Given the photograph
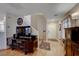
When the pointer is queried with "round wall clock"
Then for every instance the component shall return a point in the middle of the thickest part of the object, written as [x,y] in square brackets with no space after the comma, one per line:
[19,21]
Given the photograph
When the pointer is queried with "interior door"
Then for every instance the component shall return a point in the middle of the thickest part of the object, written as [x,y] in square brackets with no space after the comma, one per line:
[51,31]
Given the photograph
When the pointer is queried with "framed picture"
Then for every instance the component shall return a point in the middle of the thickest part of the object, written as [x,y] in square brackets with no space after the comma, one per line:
[19,21]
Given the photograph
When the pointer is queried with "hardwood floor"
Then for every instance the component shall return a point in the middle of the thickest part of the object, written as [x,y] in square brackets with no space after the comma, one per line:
[57,49]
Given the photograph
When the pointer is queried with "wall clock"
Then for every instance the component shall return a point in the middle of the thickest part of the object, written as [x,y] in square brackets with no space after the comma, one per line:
[19,21]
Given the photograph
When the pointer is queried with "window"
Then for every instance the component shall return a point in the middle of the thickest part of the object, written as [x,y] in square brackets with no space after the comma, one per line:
[67,23]
[1,27]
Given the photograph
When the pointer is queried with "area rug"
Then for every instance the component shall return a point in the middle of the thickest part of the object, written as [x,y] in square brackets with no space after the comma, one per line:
[44,45]
[53,40]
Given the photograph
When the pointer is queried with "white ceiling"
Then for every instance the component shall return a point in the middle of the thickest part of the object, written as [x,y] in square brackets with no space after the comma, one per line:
[50,10]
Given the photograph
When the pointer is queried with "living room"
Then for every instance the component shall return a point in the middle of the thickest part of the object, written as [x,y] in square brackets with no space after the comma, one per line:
[39,27]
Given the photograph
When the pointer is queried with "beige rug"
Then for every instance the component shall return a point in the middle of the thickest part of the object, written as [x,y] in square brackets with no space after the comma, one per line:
[44,45]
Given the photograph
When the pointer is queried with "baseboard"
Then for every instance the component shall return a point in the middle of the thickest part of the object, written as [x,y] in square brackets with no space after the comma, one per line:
[4,49]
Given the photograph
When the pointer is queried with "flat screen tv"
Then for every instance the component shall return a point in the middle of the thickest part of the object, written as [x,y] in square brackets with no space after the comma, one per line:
[75,35]
[23,30]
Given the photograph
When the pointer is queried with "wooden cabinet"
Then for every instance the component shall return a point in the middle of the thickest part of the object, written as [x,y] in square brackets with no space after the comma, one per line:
[68,48]
[72,49]
[68,42]
[75,49]
[72,44]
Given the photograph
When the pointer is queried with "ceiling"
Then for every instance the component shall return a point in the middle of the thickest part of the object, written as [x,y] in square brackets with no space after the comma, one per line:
[50,10]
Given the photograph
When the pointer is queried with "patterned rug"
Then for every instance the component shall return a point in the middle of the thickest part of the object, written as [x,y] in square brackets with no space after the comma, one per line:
[44,45]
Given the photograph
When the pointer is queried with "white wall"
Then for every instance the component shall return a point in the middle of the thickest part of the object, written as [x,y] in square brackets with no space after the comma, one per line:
[3,33]
[27,20]
[77,22]
[10,25]
[52,30]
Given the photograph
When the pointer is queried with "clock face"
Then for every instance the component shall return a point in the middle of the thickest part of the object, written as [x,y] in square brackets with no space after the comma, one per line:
[19,21]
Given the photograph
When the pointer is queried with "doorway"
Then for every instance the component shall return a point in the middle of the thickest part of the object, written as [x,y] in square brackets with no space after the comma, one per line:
[52,31]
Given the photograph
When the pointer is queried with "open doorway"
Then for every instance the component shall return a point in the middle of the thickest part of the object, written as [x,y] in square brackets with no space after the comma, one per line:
[52,31]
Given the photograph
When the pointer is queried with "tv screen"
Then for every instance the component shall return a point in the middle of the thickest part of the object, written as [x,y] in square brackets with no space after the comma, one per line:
[27,31]
[23,31]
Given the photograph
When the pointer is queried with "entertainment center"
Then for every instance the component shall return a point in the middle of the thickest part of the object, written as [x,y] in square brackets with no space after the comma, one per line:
[24,40]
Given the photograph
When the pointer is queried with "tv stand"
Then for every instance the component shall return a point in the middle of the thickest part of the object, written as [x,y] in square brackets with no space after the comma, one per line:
[26,44]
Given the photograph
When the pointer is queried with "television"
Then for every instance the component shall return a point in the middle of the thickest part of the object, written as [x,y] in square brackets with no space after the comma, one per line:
[75,35]
[23,30]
